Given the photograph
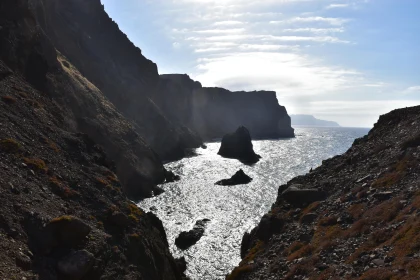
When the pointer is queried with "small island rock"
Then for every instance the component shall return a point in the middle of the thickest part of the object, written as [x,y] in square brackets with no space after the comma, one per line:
[188,238]
[240,178]
[238,145]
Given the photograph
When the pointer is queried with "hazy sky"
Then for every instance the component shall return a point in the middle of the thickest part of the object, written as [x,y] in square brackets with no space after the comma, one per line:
[347,61]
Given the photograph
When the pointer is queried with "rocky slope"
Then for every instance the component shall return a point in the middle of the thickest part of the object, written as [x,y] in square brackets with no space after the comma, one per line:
[213,112]
[27,50]
[61,202]
[83,32]
[64,213]
[354,217]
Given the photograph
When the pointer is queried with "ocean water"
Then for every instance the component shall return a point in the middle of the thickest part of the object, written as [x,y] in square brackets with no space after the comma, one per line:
[234,210]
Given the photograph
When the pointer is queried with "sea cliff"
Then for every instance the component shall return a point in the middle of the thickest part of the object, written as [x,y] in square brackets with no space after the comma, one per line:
[214,112]
[353,217]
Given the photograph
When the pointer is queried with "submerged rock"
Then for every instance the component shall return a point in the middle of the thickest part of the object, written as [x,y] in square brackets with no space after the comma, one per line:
[239,178]
[188,238]
[238,145]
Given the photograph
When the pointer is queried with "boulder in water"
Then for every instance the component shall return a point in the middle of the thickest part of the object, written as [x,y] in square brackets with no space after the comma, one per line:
[238,145]
[240,178]
[188,238]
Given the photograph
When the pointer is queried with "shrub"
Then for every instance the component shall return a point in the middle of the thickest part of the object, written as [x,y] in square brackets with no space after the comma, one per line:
[378,274]
[8,99]
[61,190]
[303,251]
[36,164]
[62,219]
[9,145]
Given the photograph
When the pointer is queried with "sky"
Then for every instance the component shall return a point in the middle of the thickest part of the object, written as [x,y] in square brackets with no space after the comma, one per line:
[347,61]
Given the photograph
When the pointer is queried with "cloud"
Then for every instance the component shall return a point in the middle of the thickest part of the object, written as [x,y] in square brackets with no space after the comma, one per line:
[412,90]
[319,19]
[314,30]
[336,6]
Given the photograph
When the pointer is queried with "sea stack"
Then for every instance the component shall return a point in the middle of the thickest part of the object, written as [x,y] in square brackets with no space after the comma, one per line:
[238,145]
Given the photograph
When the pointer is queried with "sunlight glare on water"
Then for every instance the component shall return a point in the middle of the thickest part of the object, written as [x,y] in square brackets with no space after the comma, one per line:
[233,210]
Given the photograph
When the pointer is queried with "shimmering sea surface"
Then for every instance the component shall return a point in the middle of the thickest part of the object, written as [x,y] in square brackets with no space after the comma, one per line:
[233,210]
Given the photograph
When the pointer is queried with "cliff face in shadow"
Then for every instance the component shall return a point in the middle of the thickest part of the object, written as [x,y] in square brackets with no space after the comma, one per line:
[27,50]
[83,32]
[63,210]
[213,112]
[354,217]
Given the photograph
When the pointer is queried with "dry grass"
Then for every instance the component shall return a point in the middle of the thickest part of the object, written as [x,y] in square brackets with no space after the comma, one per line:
[61,189]
[36,164]
[9,145]
[245,266]
[396,174]
[8,99]
[62,219]
[378,274]
[51,144]
[303,251]
[311,208]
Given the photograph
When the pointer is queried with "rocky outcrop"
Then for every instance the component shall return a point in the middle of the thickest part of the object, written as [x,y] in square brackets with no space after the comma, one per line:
[354,217]
[60,191]
[26,49]
[238,145]
[298,195]
[213,112]
[187,239]
[83,32]
[239,178]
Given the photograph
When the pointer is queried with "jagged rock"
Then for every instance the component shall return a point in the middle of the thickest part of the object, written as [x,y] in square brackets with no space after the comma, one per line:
[181,263]
[67,231]
[383,195]
[188,238]
[76,265]
[158,191]
[23,261]
[119,219]
[309,218]
[238,145]
[297,195]
[239,178]
[171,177]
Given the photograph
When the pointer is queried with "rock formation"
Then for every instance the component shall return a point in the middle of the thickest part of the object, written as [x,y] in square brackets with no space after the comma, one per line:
[213,112]
[240,178]
[64,212]
[354,217]
[83,32]
[238,145]
[187,239]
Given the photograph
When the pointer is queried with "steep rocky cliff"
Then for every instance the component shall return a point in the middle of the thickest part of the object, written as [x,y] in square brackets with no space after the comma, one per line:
[354,217]
[83,32]
[63,211]
[213,112]
[26,49]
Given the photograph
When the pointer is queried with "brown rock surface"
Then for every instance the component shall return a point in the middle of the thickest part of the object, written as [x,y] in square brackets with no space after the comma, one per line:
[367,226]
